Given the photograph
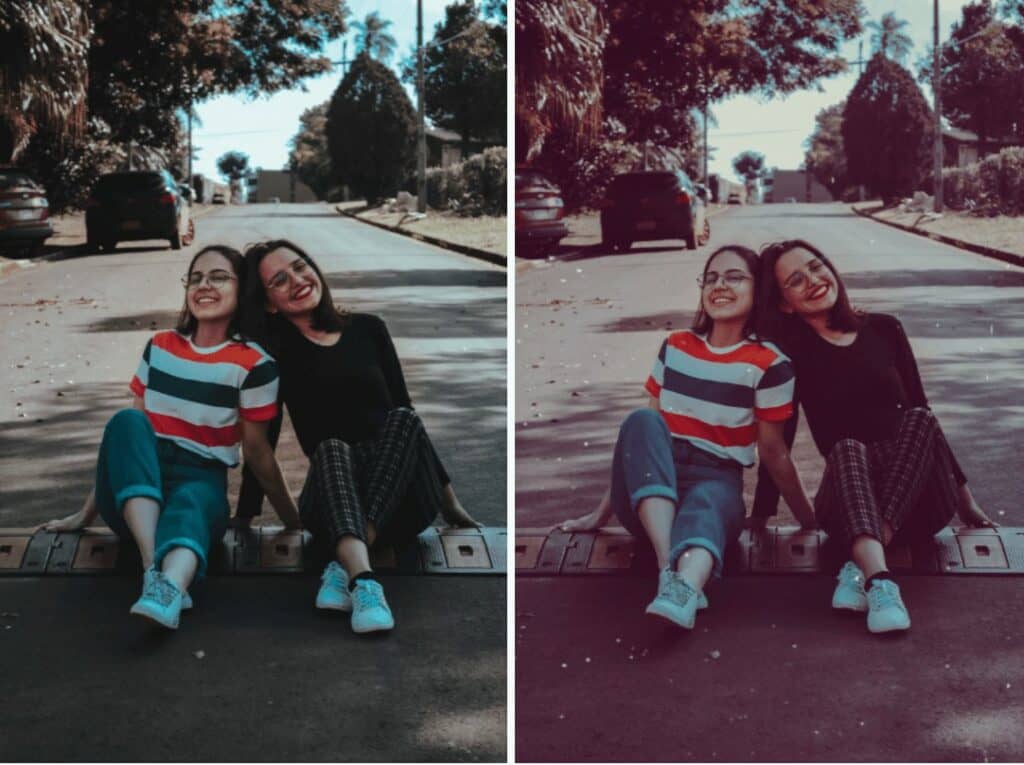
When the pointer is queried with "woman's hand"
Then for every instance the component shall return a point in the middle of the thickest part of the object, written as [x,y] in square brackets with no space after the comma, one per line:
[72,522]
[454,514]
[589,522]
[975,517]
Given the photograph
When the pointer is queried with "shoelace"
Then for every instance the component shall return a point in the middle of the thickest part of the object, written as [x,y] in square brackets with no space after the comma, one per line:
[334,576]
[366,595]
[884,595]
[678,590]
[851,575]
[161,590]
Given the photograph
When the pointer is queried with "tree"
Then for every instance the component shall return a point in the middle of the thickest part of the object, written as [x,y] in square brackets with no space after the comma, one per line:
[888,37]
[309,157]
[826,157]
[43,71]
[982,79]
[374,39]
[749,165]
[370,126]
[465,78]
[233,165]
[886,130]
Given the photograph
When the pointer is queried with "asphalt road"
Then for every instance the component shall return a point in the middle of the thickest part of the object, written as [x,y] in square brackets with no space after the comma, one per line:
[277,681]
[588,326]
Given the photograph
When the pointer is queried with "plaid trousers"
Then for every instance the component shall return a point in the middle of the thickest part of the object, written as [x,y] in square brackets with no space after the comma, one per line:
[907,481]
[390,481]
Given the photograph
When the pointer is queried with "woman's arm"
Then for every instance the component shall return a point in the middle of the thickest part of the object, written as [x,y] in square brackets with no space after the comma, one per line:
[260,457]
[250,497]
[774,455]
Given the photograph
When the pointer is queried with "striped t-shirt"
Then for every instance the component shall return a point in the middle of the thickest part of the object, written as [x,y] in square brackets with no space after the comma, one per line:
[712,397]
[195,396]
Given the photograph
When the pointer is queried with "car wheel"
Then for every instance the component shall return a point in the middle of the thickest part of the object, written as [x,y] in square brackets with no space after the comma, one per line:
[691,240]
[109,245]
[190,235]
[34,250]
[176,241]
[705,234]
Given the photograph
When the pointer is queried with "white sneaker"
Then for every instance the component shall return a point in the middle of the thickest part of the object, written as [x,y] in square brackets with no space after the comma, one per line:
[886,612]
[334,594]
[371,612]
[849,594]
[676,600]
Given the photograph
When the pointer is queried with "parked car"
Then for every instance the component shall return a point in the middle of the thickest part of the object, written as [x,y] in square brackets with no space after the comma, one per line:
[218,199]
[649,205]
[539,213]
[130,206]
[24,213]
[734,198]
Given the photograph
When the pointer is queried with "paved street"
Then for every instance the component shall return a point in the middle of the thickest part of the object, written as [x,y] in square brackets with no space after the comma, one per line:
[790,681]
[276,681]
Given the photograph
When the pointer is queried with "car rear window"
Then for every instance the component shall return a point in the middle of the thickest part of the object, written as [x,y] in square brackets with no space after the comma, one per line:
[534,180]
[133,183]
[15,180]
[642,183]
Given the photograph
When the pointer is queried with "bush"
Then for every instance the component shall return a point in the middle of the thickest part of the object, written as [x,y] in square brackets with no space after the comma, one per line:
[993,186]
[474,187]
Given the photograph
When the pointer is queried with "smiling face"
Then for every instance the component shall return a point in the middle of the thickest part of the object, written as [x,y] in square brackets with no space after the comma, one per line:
[290,284]
[731,296]
[806,283]
[215,297]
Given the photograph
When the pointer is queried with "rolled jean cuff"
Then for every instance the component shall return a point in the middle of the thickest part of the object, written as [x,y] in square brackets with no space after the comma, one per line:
[137,490]
[652,490]
[680,547]
[188,544]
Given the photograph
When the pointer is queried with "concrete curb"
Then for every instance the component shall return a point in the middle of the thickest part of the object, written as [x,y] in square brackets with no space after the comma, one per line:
[988,252]
[473,252]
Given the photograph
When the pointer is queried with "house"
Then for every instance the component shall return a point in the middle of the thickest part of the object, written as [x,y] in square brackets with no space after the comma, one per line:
[794,185]
[283,185]
[960,148]
[444,147]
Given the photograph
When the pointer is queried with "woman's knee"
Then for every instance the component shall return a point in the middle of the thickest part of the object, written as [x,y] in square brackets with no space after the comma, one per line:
[644,422]
[128,420]
[844,447]
[330,446]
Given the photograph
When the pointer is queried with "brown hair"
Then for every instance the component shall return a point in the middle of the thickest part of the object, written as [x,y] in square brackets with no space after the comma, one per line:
[187,323]
[702,323]
[842,316]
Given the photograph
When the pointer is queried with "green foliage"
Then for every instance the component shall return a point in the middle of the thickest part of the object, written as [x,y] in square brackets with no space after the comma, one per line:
[370,126]
[309,157]
[826,157]
[233,165]
[749,165]
[373,38]
[477,186]
[889,39]
[886,130]
[993,186]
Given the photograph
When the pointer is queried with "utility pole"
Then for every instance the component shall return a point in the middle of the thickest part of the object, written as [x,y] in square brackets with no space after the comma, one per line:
[421,118]
[936,88]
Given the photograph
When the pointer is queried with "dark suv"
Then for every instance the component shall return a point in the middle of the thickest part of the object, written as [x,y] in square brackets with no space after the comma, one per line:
[24,213]
[146,204]
[644,206]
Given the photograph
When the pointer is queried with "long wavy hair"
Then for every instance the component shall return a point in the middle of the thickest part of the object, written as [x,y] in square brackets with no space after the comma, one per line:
[774,323]
[702,322]
[265,327]
[187,323]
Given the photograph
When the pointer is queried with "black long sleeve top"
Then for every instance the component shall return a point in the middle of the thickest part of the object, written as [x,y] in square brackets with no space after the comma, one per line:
[857,391]
[340,391]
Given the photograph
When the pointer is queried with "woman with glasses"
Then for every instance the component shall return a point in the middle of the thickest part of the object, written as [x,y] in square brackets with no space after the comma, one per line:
[715,393]
[374,475]
[889,473]
[200,392]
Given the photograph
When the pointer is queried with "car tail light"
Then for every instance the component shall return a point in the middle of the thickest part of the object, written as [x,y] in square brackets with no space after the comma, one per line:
[166,199]
[682,198]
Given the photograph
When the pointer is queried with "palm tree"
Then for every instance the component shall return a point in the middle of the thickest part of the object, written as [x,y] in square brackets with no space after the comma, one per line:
[889,39]
[44,70]
[374,39]
[559,78]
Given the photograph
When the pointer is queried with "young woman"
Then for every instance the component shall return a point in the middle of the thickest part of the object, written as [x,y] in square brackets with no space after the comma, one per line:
[889,472]
[373,472]
[161,476]
[715,392]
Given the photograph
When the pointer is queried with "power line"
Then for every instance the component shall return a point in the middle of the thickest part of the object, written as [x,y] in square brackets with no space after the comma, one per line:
[755,132]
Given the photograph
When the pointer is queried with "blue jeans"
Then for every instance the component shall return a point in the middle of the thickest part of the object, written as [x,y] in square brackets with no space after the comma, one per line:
[707,490]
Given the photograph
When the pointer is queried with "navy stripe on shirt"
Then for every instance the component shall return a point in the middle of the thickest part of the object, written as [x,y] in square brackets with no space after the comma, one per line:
[726,394]
[206,393]
[777,374]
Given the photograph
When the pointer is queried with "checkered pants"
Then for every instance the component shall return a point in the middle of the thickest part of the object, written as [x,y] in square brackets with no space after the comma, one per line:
[390,481]
[907,481]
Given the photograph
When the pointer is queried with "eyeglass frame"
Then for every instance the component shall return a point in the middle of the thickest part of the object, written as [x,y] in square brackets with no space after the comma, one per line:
[223,277]
[738,277]
[289,272]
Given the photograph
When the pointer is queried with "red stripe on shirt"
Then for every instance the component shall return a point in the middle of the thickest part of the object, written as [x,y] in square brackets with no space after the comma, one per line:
[775,413]
[235,353]
[259,413]
[689,343]
[680,425]
[652,387]
[136,386]
[201,434]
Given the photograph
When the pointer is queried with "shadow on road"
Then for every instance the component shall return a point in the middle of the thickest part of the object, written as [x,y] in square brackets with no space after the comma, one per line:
[418,277]
[948,277]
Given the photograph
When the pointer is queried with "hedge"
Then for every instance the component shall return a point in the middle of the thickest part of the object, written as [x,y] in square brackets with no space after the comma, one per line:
[476,186]
[993,186]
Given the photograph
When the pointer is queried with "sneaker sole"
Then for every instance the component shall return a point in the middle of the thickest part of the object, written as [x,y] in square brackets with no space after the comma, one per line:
[894,628]
[374,628]
[345,608]
[154,618]
[665,616]
[857,609]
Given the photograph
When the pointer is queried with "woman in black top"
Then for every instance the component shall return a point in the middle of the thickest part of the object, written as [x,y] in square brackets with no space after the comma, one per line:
[374,474]
[889,472]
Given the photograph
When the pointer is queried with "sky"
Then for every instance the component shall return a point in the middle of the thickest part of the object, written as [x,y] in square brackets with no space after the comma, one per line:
[263,127]
[783,124]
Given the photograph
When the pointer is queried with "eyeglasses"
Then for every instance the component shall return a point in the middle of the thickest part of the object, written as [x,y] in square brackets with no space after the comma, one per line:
[798,280]
[217,279]
[280,281]
[729,279]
